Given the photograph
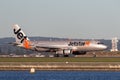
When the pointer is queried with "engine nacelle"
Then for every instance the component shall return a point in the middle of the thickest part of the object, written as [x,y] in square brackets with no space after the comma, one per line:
[65,51]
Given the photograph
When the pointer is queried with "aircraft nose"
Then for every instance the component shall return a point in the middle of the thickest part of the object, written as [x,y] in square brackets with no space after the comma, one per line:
[103,47]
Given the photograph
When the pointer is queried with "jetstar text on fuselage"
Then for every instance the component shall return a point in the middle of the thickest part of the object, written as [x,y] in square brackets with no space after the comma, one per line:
[76,43]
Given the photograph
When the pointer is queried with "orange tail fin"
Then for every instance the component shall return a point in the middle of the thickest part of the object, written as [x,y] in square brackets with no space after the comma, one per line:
[26,44]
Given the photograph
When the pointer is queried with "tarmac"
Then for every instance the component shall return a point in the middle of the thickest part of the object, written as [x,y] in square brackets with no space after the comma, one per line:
[83,66]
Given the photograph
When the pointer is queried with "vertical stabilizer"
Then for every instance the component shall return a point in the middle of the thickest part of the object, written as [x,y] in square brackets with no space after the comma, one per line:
[20,36]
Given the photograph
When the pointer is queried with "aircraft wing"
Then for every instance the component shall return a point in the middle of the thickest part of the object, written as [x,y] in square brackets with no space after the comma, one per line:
[47,49]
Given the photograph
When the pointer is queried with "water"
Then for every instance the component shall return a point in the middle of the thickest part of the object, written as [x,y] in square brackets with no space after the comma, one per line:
[59,75]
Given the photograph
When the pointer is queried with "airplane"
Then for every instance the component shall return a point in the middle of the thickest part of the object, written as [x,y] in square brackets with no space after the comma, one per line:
[59,47]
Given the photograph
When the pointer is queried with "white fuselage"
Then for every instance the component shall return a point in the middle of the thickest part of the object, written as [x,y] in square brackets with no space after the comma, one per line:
[76,45]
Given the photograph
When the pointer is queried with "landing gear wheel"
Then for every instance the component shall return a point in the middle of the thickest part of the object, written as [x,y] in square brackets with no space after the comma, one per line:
[56,55]
[66,56]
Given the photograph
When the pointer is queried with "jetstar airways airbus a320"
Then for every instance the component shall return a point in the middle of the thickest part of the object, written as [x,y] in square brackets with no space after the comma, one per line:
[59,47]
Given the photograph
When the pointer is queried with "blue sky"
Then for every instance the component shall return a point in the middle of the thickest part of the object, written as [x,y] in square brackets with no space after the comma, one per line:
[82,19]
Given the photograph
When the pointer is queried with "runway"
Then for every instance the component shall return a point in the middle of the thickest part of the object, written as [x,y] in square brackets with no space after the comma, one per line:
[84,66]
[61,63]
